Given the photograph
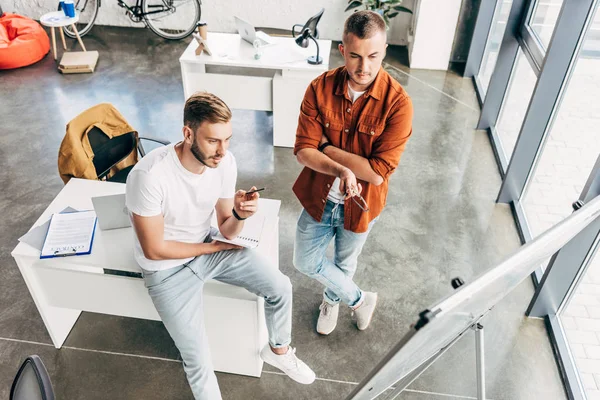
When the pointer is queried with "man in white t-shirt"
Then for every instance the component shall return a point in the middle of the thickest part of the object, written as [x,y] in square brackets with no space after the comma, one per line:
[172,194]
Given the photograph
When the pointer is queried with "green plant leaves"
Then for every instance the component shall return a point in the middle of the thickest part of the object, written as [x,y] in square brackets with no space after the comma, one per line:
[403,9]
[353,4]
[388,9]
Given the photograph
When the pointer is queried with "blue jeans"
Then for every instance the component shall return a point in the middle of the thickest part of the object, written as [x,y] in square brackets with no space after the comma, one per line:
[177,296]
[312,240]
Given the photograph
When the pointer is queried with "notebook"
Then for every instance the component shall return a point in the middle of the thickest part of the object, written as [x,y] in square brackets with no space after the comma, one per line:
[249,236]
[69,234]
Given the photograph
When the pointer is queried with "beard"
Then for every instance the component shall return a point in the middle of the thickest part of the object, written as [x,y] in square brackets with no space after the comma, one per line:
[200,156]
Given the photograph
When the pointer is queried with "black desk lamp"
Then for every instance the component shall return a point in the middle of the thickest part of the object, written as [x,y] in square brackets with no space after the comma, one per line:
[310,31]
[302,41]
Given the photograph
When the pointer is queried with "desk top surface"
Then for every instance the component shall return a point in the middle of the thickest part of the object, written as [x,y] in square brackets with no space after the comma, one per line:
[112,249]
[229,49]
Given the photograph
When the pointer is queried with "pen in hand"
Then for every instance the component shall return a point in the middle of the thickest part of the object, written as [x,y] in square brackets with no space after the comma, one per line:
[255,190]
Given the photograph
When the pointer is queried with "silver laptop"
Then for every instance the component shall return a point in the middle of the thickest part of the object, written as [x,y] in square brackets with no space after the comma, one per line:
[249,34]
[111,211]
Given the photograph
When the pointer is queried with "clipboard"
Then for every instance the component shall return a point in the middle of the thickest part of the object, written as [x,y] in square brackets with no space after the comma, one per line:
[69,234]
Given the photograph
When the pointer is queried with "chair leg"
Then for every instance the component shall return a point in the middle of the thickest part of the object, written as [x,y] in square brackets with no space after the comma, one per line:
[53,42]
[78,37]
[62,36]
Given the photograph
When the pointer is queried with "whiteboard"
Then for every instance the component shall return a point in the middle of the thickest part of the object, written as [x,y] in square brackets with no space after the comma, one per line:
[443,323]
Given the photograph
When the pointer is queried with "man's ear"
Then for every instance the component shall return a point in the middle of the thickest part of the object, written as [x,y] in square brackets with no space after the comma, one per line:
[188,135]
[341,49]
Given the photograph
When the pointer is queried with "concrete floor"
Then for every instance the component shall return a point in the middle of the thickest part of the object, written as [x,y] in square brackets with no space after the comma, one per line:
[441,221]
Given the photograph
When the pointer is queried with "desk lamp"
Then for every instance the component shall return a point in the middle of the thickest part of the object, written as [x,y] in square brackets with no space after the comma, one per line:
[302,41]
[309,30]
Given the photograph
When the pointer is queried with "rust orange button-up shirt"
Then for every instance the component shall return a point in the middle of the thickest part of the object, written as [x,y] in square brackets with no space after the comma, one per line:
[376,126]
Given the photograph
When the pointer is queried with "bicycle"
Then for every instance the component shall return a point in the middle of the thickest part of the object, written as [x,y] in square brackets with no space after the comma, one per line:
[169,19]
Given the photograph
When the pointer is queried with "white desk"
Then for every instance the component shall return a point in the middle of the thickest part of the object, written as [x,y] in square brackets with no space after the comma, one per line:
[64,287]
[275,82]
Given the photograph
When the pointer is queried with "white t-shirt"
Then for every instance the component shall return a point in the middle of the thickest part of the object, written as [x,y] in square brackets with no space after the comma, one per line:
[334,193]
[159,184]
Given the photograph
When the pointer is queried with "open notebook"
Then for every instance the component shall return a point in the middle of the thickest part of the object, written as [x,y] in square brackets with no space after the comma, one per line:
[249,236]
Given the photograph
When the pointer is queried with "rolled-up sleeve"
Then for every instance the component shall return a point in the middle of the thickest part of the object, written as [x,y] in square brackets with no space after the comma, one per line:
[389,146]
[309,132]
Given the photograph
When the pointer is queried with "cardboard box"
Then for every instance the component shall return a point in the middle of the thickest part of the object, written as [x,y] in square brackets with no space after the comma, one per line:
[78,62]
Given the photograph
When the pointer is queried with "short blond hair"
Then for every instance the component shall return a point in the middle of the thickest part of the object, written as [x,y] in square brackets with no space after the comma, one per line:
[364,24]
[204,106]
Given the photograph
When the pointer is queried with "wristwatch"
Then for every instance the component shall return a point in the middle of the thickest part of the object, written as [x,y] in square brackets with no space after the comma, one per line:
[236,215]
[323,146]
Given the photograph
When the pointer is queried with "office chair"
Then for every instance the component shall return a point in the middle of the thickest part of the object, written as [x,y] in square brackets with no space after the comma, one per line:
[32,381]
[311,24]
[108,152]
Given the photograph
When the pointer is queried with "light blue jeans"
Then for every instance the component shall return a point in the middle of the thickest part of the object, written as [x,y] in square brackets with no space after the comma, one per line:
[177,296]
[312,240]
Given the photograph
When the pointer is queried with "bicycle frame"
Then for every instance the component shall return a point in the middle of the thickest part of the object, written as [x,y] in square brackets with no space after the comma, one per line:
[140,12]
[136,9]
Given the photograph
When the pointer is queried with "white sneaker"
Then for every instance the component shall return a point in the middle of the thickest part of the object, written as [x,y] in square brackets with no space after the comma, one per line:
[364,312]
[327,318]
[289,364]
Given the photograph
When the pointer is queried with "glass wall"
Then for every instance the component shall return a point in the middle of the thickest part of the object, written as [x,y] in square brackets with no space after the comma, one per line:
[515,104]
[570,148]
[542,113]
[543,19]
[493,42]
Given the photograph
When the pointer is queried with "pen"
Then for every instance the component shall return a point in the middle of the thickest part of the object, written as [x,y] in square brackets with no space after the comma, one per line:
[255,190]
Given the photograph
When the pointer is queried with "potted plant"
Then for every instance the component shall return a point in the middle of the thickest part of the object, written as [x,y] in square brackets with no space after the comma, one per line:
[388,9]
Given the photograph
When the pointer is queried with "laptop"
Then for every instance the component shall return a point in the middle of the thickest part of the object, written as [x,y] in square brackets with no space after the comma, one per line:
[111,211]
[249,34]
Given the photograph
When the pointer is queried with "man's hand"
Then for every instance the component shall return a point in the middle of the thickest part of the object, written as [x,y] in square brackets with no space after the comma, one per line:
[216,246]
[348,184]
[246,205]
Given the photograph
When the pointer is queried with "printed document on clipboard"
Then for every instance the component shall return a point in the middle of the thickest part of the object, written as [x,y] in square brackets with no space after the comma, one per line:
[249,236]
[70,234]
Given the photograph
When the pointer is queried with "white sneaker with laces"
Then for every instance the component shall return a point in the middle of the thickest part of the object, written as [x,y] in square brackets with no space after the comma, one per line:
[364,312]
[327,318]
[289,364]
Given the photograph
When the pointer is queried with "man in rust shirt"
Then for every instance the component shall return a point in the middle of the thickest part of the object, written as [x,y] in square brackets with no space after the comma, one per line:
[354,124]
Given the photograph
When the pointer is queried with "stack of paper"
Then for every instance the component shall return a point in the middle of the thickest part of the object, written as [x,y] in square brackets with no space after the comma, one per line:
[77,62]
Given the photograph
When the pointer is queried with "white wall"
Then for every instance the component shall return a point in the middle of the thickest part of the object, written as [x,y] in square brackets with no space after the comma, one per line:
[219,14]
[434,31]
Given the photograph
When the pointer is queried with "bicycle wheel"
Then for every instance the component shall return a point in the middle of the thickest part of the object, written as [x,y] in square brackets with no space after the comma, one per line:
[87,10]
[171,19]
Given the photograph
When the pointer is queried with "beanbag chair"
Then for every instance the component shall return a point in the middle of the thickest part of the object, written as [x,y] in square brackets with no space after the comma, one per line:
[22,41]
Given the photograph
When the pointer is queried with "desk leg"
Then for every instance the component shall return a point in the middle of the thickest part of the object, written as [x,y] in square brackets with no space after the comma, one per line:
[188,82]
[288,93]
[62,36]
[78,37]
[53,42]
[58,321]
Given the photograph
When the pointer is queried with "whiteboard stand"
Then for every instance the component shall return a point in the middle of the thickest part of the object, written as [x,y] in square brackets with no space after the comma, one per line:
[408,379]
[479,355]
